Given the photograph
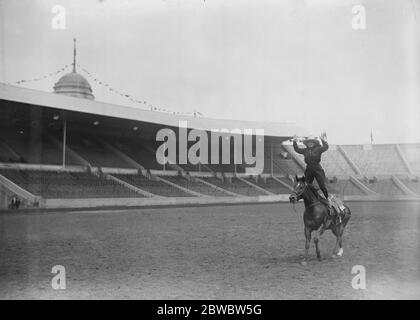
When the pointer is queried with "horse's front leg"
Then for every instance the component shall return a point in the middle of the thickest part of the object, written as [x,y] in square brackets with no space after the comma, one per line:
[336,247]
[318,252]
[308,232]
[340,243]
[338,250]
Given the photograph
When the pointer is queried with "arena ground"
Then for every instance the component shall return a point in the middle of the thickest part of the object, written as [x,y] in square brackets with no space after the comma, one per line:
[234,252]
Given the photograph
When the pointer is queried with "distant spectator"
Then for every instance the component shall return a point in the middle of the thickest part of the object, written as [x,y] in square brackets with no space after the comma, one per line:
[14,203]
[333,180]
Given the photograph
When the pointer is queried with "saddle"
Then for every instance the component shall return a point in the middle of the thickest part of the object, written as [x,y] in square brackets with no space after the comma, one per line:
[337,207]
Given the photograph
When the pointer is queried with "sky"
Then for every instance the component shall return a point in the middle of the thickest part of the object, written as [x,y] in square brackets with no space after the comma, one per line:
[295,61]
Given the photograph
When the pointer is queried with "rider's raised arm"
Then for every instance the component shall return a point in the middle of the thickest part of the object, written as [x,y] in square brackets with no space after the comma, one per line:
[297,149]
[324,146]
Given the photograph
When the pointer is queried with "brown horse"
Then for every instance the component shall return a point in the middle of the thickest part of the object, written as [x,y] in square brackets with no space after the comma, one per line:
[316,217]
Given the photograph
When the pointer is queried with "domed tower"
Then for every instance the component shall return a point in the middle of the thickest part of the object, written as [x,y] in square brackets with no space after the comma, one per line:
[74,84]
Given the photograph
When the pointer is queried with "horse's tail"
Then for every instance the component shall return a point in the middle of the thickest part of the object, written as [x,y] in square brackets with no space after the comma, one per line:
[347,215]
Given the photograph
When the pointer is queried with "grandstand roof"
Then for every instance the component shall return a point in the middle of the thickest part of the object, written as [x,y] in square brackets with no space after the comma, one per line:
[68,103]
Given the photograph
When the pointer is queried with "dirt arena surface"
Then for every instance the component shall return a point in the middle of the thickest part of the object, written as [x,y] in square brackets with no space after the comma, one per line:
[233,252]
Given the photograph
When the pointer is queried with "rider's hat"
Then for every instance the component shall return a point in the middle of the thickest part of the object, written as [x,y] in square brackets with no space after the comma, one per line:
[312,139]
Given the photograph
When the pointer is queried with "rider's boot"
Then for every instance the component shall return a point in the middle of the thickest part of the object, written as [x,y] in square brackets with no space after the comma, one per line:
[336,210]
[330,205]
[332,211]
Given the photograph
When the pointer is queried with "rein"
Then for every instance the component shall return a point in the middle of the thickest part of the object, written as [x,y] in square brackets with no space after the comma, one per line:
[309,206]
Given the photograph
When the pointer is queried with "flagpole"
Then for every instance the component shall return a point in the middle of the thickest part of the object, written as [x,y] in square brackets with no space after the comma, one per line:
[371,136]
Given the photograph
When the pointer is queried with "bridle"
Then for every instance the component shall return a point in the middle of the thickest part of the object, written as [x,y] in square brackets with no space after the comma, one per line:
[298,196]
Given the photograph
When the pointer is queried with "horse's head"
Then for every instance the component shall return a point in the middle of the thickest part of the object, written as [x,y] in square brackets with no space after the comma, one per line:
[298,189]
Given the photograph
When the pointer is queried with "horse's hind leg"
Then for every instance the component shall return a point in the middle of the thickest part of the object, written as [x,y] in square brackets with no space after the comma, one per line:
[318,252]
[338,249]
[340,243]
[337,242]
[307,242]
[337,245]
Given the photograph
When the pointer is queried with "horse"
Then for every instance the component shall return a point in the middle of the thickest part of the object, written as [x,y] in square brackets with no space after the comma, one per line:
[316,217]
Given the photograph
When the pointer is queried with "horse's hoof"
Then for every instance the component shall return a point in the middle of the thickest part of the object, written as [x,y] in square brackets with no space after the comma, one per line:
[340,252]
[304,263]
[319,258]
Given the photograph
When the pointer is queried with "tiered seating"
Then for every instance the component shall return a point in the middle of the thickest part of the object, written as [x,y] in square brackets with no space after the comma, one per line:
[30,150]
[139,153]
[226,168]
[384,187]
[197,186]
[335,164]
[270,184]
[58,185]
[19,143]
[193,168]
[236,186]
[6,155]
[95,153]
[380,160]
[286,180]
[412,154]
[413,185]
[153,186]
[344,187]
[283,166]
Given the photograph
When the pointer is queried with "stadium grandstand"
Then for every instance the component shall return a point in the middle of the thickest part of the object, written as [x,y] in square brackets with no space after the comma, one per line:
[65,149]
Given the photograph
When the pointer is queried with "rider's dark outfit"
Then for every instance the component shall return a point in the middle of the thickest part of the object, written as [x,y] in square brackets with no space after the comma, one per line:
[313,167]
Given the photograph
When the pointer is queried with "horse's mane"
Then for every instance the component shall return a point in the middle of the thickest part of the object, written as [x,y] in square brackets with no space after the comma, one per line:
[314,190]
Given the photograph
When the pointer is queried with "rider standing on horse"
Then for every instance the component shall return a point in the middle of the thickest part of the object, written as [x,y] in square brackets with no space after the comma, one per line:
[312,154]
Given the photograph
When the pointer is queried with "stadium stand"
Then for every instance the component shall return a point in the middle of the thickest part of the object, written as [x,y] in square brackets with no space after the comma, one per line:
[383,187]
[344,187]
[335,164]
[413,184]
[7,155]
[376,159]
[286,180]
[110,152]
[197,186]
[137,151]
[412,154]
[94,152]
[57,184]
[270,184]
[283,162]
[20,147]
[234,185]
[152,185]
